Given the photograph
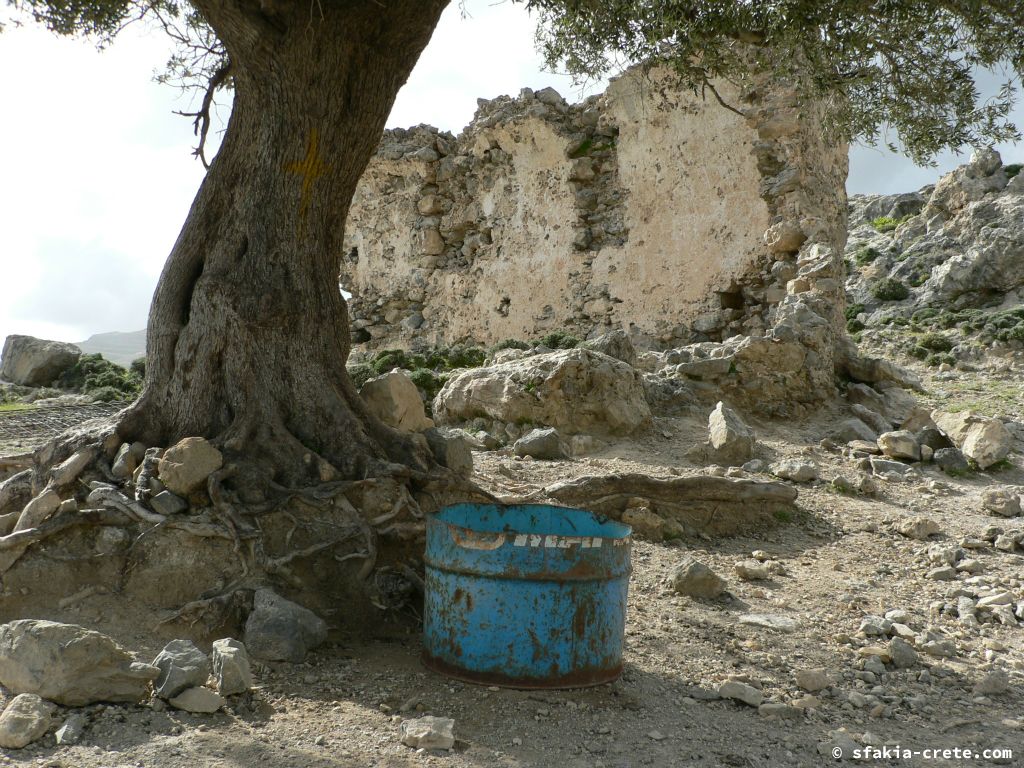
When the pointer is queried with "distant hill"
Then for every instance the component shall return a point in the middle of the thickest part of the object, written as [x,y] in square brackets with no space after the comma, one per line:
[117,347]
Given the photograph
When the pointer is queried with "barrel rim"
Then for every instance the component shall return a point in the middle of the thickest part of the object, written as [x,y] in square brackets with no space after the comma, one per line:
[619,529]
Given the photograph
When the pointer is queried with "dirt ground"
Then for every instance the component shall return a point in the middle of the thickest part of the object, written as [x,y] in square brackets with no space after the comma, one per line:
[841,562]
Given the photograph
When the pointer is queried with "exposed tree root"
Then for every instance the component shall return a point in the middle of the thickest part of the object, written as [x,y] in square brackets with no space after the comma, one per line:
[702,503]
[348,536]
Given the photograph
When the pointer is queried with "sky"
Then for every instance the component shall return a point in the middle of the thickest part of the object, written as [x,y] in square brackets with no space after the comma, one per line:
[97,174]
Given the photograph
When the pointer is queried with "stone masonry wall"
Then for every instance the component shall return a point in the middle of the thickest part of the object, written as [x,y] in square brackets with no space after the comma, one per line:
[646,208]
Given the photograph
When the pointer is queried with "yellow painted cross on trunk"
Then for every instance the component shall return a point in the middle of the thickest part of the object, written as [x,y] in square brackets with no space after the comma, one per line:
[310,169]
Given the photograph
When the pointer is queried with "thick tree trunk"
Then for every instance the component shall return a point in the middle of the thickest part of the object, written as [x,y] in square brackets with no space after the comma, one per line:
[248,332]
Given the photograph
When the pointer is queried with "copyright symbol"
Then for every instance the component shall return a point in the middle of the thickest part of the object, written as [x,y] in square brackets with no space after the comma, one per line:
[837,752]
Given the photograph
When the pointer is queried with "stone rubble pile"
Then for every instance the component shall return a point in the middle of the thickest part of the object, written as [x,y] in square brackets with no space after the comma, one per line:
[48,666]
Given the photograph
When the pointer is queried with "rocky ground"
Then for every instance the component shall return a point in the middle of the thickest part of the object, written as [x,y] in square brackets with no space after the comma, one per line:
[838,567]
[879,617]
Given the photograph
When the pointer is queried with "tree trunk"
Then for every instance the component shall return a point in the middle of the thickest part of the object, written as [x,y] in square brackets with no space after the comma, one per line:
[248,332]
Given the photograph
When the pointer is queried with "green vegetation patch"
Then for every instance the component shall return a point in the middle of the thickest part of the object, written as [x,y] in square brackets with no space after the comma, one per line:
[888,223]
[890,289]
[866,256]
[101,379]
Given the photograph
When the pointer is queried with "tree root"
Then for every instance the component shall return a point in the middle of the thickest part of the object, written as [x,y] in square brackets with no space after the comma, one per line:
[702,503]
[363,534]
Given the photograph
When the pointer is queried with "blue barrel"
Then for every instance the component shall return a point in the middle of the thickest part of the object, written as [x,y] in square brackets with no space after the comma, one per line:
[525,596]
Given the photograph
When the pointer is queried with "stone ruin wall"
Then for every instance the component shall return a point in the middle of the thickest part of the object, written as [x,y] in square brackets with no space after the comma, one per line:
[646,208]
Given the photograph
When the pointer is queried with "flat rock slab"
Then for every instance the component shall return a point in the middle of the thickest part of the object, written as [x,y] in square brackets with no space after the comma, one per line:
[771,621]
[722,506]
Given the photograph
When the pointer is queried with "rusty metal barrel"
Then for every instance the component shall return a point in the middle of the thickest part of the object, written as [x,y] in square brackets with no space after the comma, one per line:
[526,595]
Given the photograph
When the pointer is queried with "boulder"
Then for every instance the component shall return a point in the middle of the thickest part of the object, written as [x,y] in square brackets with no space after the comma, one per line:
[796,470]
[694,579]
[900,444]
[451,449]
[394,399]
[982,439]
[231,671]
[1000,501]
[181,666]
[730,440]
[68,664]
[541,444]
[186,465]
[919,528]
[24,720]
[280,630]
[33,362]
[614,344]
[572,390]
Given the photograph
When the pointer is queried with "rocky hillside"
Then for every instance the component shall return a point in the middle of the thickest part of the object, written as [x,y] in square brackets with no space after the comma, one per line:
[938,274]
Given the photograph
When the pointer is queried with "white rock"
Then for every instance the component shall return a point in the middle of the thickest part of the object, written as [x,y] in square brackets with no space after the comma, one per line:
[918,527]
[1001,501]
[980,438]
[428,732]
[742,692]
[186,465]
[900,444]
[24,720]
[573,390]
[181,666]
[34,362]
[198,700]
[730,440]
[69,664]
[231,671]
[694,579]
[812,680]
[71,731]
[771,621]
[394,399]
[797,470]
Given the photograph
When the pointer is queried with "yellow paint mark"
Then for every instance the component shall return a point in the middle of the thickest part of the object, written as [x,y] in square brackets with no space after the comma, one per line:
[310,169]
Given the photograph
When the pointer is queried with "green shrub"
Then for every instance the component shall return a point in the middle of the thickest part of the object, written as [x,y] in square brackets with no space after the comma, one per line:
[853,325]
[428,382]
[938,359]
[92,373]
[888,223]
[853,310]
[107,395]
[360,373]
[1012,170]
[919,352]
[138,367]
[510,344]
[936,342]
[889,289]
[458,356]
[559,340]
[866,255]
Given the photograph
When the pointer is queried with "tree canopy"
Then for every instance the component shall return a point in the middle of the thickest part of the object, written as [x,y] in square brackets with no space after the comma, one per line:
[909,66]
